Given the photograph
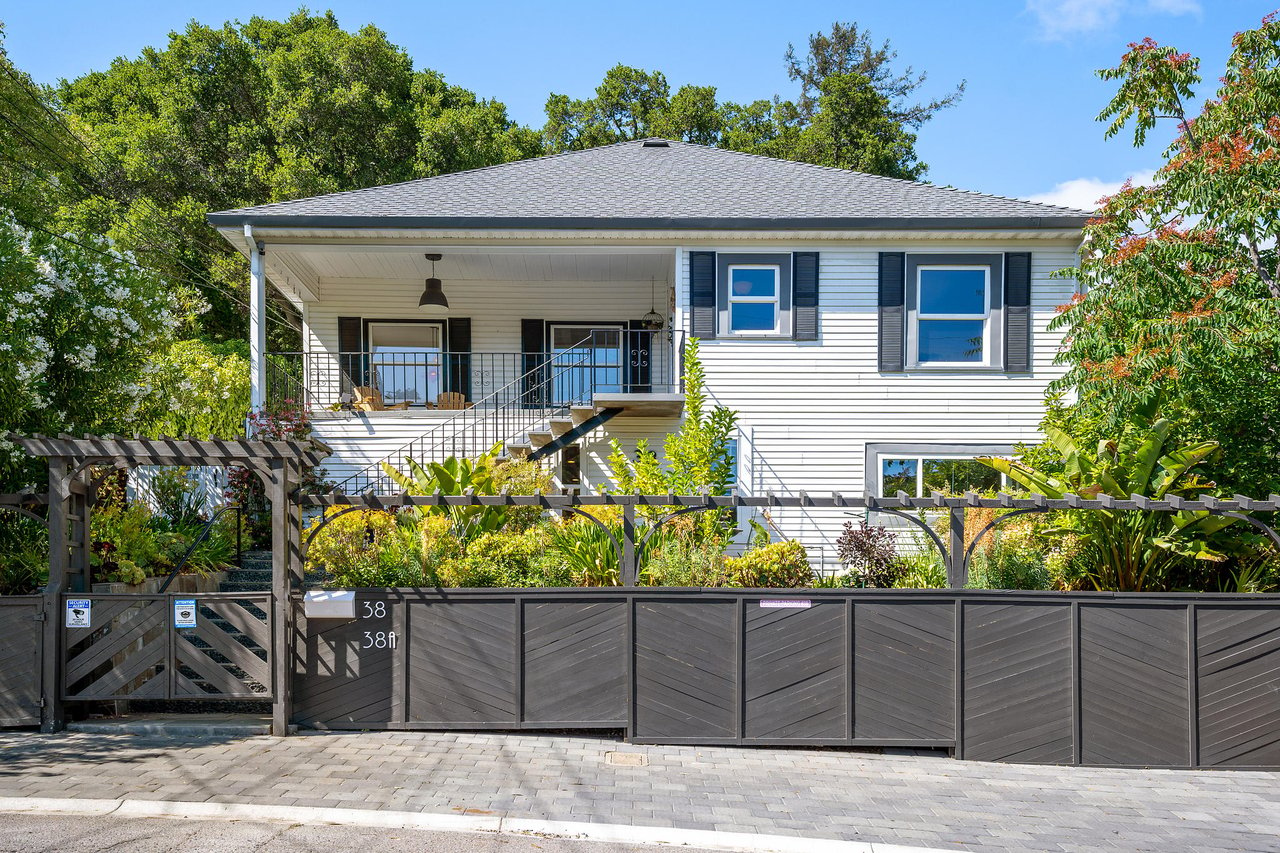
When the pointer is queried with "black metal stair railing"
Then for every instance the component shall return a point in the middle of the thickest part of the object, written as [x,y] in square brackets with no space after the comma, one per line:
[549,388]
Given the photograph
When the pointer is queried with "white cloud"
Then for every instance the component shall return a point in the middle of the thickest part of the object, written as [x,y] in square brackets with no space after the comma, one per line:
[1062,18]
[1084,193]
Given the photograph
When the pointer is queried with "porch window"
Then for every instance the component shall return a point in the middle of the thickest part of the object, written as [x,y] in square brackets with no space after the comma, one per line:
[585,359]
[953,314]
[754,299]
[406,361]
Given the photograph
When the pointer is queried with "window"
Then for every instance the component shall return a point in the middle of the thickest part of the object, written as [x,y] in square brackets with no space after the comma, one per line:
[920,476]
[953,313]
[731,454]
[754,299]
[406,360]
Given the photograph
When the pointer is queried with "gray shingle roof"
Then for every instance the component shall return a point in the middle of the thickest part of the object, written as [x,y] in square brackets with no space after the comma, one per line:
[679,185]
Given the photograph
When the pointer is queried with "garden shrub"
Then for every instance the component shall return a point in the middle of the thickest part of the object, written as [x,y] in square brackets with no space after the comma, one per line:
[683,561]
[508,559]
[587,550]
[363,548]
[922,568]
[869,553]
[778,565]
[1009,557]
[125,547]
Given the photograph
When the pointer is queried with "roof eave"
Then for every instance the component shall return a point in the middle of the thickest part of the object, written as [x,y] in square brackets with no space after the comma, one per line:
[832,223]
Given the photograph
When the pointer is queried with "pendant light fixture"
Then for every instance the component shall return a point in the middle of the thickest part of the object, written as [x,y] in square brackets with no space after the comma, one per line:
[433,298]
[653,320]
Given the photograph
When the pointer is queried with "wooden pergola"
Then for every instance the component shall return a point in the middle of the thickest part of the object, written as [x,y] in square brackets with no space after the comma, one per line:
[72,490]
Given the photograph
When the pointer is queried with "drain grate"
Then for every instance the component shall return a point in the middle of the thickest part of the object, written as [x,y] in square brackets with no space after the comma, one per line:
[626,759]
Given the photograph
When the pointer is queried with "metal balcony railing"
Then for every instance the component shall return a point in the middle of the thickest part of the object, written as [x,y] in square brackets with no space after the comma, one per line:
[617,360]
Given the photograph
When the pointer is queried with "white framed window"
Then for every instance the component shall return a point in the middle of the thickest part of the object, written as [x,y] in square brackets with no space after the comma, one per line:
[951,324]
[921,469]
[406,360]
[754,299]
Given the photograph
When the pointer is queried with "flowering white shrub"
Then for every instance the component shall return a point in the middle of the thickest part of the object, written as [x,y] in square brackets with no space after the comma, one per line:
[79,328]
[197,390]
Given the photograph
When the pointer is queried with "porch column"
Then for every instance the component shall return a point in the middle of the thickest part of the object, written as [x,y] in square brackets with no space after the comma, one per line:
[257,324]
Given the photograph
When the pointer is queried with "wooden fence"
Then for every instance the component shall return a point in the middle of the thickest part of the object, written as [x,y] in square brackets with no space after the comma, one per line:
[1094,679]
[20,649]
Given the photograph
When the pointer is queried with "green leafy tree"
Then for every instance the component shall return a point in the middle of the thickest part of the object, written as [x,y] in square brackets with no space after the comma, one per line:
[1181,279]
[698,456]
[256,112]
[855,110]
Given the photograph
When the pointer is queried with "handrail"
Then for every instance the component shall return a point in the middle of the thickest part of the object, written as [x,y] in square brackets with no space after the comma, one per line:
[204,534]
[489,413]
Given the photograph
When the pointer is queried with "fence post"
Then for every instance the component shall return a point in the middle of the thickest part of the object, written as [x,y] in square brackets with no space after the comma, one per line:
[956,574]
[629,544]
[282,556]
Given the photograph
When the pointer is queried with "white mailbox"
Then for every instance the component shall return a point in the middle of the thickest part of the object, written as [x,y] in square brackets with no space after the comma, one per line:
[329,604]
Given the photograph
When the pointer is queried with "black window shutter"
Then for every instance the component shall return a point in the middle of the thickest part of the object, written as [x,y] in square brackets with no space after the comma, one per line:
[1017,312]
[458,345]
[533,345]
[639,347]
[350,353]
[702,294]
[804,296]
[893,326]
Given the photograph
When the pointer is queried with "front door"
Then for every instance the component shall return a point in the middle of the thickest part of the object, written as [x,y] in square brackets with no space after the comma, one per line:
[407,361]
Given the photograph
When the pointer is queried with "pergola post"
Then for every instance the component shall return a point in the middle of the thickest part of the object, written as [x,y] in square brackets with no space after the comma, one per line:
[956,574]
[285,549]
[257,324]
[52,717]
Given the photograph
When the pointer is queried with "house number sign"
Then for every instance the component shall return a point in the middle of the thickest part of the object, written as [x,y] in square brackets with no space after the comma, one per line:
[376,639]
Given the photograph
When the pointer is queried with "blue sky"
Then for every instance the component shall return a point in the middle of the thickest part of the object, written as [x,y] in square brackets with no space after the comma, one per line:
[1024,128]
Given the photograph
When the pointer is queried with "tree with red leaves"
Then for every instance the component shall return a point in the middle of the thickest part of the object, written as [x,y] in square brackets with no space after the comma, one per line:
[1181,279]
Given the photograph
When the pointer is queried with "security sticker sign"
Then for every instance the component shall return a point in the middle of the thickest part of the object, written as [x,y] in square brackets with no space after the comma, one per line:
[184,613]
[79,613]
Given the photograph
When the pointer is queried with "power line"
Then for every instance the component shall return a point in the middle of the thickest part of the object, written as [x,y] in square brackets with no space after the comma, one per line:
[102,189]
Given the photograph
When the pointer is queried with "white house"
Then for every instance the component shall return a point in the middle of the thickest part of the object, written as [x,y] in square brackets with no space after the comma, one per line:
[873,334]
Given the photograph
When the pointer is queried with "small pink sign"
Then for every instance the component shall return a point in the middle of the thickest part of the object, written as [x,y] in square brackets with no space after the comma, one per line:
[795,603]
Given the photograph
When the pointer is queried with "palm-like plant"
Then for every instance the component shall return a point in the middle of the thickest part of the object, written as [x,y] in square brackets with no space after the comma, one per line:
[1130,550]
[457,476]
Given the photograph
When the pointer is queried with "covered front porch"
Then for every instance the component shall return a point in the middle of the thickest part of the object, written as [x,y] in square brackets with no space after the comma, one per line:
[428,331]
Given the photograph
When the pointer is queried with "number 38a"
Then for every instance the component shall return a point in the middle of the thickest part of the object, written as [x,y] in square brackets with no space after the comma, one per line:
[379,640]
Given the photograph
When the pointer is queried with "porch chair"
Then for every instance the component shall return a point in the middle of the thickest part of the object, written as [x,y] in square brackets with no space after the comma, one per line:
[370,400]
[452,400]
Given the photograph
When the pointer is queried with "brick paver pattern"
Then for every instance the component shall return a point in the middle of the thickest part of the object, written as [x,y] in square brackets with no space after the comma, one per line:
[898,797]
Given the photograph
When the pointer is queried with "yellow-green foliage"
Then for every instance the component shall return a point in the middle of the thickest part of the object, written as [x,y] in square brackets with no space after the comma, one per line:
[517,559]
[779,565]
[367,548]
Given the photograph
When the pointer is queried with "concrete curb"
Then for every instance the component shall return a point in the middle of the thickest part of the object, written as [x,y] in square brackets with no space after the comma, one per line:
[603,832]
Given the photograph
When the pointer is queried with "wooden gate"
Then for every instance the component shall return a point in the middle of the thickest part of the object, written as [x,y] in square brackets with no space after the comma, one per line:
[174,646]
[20,649]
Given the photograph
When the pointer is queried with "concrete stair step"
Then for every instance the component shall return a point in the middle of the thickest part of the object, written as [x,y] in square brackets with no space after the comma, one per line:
[559,426]
[539,437]
[578,414]
[178,725]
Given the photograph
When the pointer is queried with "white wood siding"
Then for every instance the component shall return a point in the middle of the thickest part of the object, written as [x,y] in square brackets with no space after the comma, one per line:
[807,410]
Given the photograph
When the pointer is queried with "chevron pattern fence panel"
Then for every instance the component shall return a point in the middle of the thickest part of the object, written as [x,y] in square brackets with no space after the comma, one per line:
[342,680]
[904,665]
[1134,685]
[686,670]
[463,661]
[1017,689]
[574,663]
[132,649]
[796,667]
[1238,672]
[19,660]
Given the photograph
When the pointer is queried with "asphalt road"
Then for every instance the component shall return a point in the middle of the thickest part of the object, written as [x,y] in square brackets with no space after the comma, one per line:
[26,833]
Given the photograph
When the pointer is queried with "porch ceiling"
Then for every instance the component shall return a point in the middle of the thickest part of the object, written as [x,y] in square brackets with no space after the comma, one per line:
[321,269]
